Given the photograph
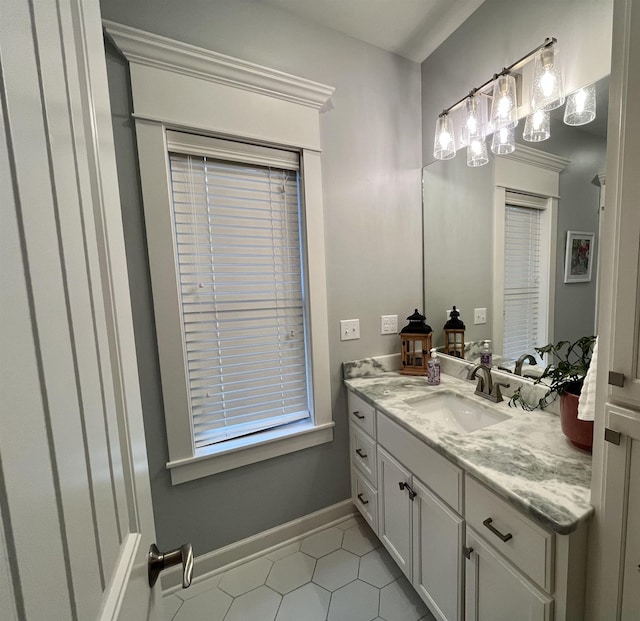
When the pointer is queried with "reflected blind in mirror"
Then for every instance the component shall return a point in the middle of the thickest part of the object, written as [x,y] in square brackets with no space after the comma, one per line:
[236,215]
[522,280]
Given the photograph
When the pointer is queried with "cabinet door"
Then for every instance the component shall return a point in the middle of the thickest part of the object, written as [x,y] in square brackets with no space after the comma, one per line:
[621,513]
[437,554]
[394,510]
[496,591]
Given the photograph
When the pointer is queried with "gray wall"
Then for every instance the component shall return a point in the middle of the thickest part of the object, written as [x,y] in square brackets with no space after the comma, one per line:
[577,211]
[371,180]
[458,244]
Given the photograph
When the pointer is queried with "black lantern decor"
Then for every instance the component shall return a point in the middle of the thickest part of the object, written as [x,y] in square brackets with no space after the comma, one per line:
[454,335]
[416,345]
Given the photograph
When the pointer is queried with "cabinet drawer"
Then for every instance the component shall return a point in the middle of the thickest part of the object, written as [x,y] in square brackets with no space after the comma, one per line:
[365,498]
[443,477]
[528,546]
[363,453]
[362,414]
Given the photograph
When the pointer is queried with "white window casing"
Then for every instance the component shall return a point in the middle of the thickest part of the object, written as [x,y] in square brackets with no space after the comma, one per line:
[529,179]
[202,106]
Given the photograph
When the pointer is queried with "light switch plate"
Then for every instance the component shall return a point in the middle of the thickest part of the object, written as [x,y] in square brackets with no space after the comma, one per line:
[388,324]
[349,329]
[479,315]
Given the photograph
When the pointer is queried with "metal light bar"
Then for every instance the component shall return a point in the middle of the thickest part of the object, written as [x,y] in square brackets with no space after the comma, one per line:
[549,41]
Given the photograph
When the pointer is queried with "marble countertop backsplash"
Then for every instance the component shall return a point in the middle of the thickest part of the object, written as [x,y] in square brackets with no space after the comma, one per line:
[525,459]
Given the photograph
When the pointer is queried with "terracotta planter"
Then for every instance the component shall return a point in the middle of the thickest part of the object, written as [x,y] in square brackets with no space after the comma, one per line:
[579,432]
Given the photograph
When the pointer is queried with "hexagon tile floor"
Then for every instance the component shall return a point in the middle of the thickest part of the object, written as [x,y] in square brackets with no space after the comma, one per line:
[339,574]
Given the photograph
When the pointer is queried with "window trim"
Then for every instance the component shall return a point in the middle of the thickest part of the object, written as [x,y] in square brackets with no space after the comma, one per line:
[170,81]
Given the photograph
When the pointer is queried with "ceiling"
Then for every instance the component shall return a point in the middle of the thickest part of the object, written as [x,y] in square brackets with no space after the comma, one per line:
[410,28]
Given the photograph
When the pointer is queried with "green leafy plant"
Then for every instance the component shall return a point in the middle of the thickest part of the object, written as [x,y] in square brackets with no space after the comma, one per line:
[568,365]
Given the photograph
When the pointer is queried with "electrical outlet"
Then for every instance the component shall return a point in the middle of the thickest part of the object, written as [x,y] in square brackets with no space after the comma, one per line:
[349,329]
[479,315]
[388,324]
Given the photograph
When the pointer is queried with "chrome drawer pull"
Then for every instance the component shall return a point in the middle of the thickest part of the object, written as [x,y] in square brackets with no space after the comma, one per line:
[404,485]
[358,415]
[364,502]
[361,454]
[495,531]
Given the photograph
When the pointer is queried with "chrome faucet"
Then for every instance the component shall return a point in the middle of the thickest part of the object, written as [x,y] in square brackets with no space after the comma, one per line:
[486,387]
[520,362]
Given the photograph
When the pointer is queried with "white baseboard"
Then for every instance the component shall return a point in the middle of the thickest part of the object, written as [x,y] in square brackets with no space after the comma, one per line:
[212,563]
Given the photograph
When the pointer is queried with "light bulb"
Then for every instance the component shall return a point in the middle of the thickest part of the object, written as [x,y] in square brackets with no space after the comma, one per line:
[444,146]
[581,106]
[504,106]
[477,152]
[473,124]
[537,126]
[547,91]
[503,141]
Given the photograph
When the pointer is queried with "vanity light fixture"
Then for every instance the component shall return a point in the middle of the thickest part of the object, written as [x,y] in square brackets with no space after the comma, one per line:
[581,106]
[444,145]
[537,127]
[504,108]
[547,91]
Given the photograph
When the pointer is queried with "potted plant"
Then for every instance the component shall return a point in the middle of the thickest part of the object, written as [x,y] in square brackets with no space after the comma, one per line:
[564,376]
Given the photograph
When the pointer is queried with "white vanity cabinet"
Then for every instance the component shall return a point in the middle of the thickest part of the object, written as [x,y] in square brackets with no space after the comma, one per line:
[468,553]
[363,454]
[423,532]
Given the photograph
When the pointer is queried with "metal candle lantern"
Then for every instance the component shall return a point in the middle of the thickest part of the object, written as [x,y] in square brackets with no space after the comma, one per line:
[454,335]
[416,344]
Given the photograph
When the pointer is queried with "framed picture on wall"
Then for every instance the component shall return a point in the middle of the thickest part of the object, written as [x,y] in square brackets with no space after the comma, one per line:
[579,256]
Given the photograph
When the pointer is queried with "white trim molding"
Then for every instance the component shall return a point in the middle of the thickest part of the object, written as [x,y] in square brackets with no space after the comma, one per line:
[223,559]
[538,158]
[153,50]
[173,87]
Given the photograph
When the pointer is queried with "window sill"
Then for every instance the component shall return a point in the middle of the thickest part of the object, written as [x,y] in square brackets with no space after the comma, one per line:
[244,451]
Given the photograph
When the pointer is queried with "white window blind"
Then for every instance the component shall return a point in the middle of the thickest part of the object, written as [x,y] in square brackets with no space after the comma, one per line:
[522,279]
[236,213]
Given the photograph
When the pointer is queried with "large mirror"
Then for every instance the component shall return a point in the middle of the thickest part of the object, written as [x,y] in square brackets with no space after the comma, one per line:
[495,238]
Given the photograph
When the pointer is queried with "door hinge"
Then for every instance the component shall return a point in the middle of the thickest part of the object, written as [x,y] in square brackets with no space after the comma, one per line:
[612,436]
[616,379]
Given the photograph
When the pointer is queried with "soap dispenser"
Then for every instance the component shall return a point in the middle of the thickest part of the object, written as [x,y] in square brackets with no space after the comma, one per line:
[486,355]
[433,369]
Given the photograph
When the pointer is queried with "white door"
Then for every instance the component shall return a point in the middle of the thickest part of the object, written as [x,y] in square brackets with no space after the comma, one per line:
[75,499]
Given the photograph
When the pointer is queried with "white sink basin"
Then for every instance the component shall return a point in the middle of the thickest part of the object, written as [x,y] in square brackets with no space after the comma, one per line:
[457,413]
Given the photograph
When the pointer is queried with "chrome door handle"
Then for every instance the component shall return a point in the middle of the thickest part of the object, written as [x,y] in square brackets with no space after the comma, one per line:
[180,556]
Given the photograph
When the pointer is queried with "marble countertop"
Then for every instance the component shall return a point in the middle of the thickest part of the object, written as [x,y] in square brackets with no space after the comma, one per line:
[525,459]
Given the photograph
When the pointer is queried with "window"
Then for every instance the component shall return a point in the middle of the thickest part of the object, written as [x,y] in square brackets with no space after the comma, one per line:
[522,281]
[238,255]
[526,282]
[232,396]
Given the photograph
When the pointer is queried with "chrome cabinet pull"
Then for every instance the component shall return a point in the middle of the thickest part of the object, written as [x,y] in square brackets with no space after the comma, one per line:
[358,415]
[158,562]
[364,502]
[467,552]
[361,454]
[406,486]
[495,531]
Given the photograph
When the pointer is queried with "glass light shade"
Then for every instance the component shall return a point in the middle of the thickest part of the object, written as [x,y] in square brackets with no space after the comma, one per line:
[503,141]
[477,151]
[473,120]
[504,105]
[444,144]
[547,92]
[581,106]
[537,126]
